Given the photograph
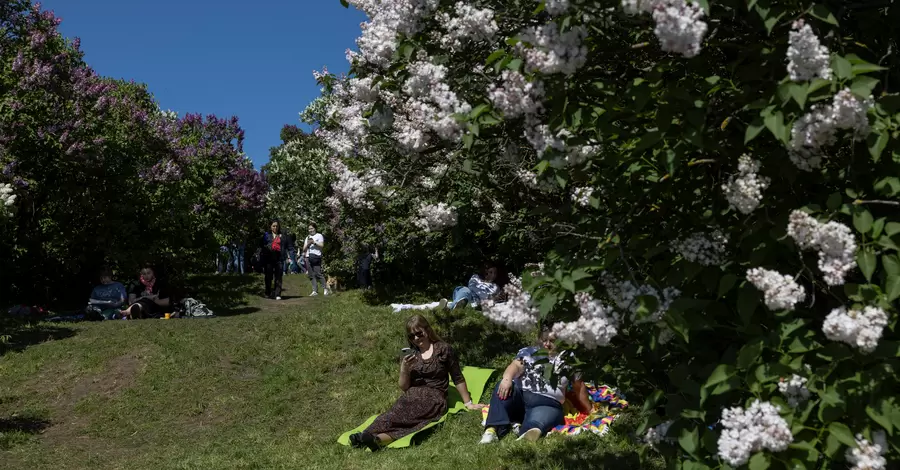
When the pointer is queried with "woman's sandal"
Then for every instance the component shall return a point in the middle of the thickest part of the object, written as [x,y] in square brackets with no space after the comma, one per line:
[364,439]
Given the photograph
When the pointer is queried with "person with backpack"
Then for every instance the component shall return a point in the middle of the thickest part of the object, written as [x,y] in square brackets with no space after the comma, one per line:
[312,251]
[273,253]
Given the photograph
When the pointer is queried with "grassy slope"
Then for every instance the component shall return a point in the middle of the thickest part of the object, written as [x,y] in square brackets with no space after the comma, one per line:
[270,386]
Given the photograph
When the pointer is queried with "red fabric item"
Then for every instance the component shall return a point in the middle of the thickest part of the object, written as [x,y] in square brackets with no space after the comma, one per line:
[276,243]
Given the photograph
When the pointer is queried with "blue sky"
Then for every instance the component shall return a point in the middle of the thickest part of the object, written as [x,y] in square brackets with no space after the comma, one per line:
[222,57]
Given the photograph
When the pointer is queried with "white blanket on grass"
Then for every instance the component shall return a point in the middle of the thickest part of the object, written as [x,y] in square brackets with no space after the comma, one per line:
[401,307]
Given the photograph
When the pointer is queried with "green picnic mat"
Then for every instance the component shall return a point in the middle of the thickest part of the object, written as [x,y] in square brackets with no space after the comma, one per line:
[476,380]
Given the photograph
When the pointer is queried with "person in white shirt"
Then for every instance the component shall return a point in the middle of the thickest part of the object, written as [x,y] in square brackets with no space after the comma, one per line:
[479,289]
[312,252]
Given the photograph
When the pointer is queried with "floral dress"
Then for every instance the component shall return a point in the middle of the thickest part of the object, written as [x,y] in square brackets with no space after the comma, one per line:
[426,399]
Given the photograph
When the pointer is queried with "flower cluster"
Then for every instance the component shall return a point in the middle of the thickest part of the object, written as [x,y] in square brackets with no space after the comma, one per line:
[432,106]
[582,196]
[757,428]
[807,57]
[435,217]
[703,249]
[516,96]
[794,389]
[551,51]
[657,434]
[860,329]
[469,24]
[744,190]
[625,295]
[596,326]
[7,198]
[388,19]
[517,313]
[679,23]
[348,186]
[866,455]
[818,128]
[781,292]
[834,240]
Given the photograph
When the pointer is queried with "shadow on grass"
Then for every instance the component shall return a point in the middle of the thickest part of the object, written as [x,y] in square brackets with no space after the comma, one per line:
[225,295]
[476,340]
[17,429]
[23,335]
[572,453]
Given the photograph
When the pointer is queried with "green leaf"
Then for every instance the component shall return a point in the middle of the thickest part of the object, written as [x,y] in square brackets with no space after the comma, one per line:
[842,68]
[468,140]
[867,262]
[568,284]
[891,264]
[881,413]
[750,353]
[888,186]
[514,65]
[823,13]
[726,283]
[892,228]
[842,433]
[862,85]
[753,130]
[866,67]
[647,304]
[496,55]
[721,373]
[834,201]
[816,85]
[892,287]
[345,4]
[798,92]
[877,227]
[876,142]
[748,299]
[689,439]
[652,400]
[862,220]
[832,444]
[481,108]
[775,123]
[759,461]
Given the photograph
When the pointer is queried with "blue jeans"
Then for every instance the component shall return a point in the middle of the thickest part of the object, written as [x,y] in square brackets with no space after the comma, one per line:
[531,409]
[462,293]
[237,259]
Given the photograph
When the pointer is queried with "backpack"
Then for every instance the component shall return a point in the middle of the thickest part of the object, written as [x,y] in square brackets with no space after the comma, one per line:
[194,308]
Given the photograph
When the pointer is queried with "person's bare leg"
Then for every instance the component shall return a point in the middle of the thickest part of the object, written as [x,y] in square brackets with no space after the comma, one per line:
[384,439]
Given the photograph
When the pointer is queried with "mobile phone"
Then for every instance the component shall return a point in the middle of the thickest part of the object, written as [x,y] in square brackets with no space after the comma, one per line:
[407,351]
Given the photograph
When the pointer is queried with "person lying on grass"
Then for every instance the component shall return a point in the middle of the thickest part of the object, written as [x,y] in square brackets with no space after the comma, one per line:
[423,379]
[479,289]
[108,297]
[525,396]
[149,298]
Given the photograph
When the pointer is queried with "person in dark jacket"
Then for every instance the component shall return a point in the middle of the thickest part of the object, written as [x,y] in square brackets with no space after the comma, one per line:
[364,273]
[274,252]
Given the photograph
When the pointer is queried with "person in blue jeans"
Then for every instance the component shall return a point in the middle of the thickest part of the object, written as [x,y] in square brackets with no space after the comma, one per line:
[237,257]
[479,289]
[525,396]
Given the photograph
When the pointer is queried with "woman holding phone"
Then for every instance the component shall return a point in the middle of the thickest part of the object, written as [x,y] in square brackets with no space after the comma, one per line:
[424,381]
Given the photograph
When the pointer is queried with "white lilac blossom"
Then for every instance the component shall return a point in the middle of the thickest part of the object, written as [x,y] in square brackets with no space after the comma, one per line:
[833,240]
[625,295]
[541,138]
[780,292]
[7,197]
[469,24]
[794,389]
[818,128]
[595,327]
[658,434]
[433,105]
[349,187]
[556,7]
[435,217]
[388,19]
[517,313]
[516,96]
[868,455]
[807,57]
[859,328]
[744,189]
[551,51]
[703,249]
[751,430]
[665,335]
[679,25]
[582,196]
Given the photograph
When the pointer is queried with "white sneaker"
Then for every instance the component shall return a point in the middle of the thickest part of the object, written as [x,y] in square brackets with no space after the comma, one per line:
[531,435]
[489,436]
[314,294]
[516,427]
[326,292]
[278,298]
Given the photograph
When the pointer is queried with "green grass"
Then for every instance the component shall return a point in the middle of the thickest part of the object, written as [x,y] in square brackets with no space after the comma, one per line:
[270,385]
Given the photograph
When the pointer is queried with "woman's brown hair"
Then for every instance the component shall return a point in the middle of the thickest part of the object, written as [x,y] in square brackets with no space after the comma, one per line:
[418,322]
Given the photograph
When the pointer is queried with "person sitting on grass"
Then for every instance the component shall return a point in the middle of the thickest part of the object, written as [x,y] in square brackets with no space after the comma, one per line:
[424,382]
[478,290]
[107,298]
[525,396]
[149,298]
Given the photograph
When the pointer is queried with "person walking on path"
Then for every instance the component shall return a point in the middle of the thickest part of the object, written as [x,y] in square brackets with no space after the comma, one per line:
[312,251]
[275,248]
